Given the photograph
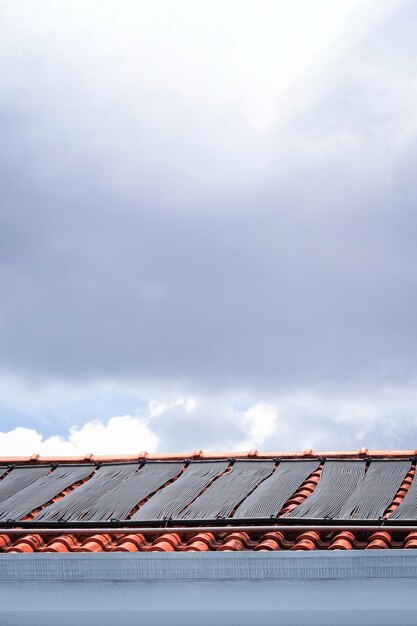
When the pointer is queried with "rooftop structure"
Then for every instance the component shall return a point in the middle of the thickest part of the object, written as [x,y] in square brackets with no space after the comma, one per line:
[173,519]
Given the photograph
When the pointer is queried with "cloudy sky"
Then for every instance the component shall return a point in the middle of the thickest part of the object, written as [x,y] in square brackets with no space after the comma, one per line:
[208,217]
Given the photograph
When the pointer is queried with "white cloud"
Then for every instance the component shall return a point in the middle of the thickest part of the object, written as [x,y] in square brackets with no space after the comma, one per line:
[119,435]
[379,418]
[260,422]
[187,404]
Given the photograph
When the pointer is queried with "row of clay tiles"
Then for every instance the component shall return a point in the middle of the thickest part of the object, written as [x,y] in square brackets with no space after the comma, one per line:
[206,541]
[200,454]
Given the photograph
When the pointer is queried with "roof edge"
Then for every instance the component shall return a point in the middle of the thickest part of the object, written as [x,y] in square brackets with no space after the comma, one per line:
[200,454]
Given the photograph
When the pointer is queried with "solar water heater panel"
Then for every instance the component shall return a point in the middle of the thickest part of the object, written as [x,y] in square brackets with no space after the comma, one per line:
[376,490]
[228,491]
[271,495]
[79,503]
[19,478]
[337,482]
[169,502]
[118,502]
[41,490]
[407,509]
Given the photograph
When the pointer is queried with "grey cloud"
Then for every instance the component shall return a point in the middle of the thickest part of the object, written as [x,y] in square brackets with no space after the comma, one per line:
[136,253]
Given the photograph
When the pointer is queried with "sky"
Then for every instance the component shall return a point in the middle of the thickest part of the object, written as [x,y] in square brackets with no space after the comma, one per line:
[207,225]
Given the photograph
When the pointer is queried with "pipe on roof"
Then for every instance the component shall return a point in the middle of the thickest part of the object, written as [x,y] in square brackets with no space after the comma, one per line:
[205,529]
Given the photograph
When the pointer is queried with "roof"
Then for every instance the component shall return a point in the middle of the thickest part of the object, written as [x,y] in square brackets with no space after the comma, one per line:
[203,502]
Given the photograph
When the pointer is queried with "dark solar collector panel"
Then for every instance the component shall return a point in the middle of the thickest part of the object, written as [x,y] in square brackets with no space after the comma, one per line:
[376,490]
[271,495]
[169,502]
[19,478]
[337,482]
[118,502]
[41,490]
[407,510]
[220,499]
[77,505]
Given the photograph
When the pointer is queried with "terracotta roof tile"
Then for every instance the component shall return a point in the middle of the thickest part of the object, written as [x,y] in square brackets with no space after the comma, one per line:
[204,542]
